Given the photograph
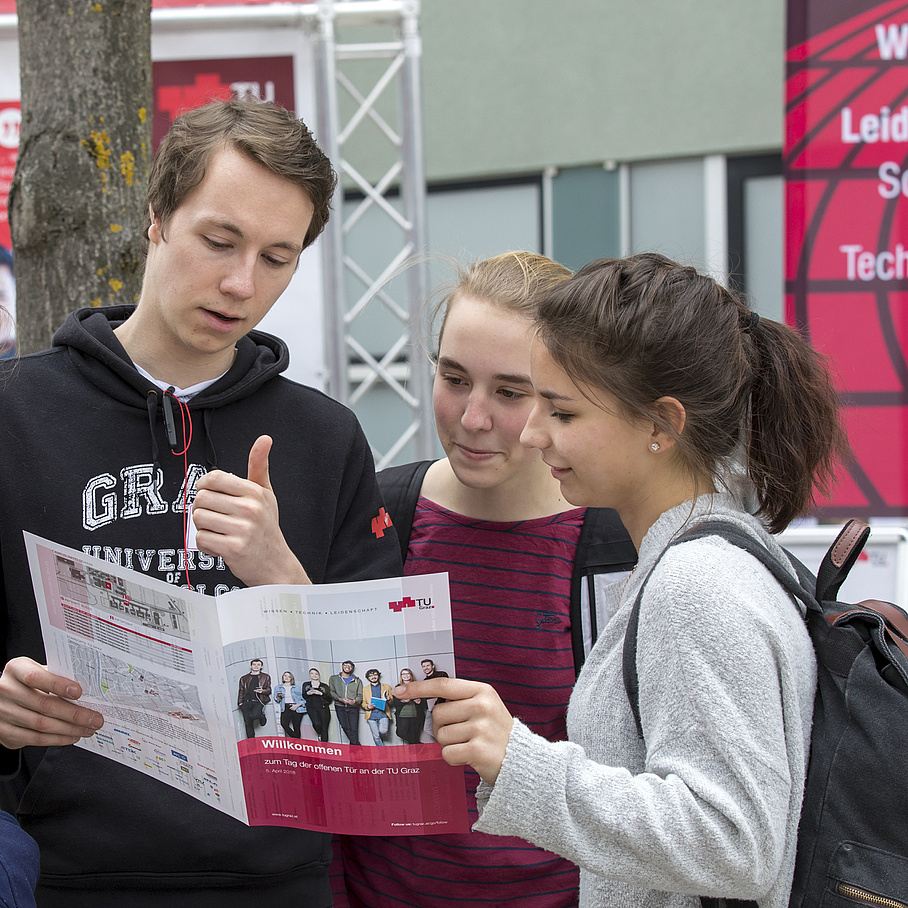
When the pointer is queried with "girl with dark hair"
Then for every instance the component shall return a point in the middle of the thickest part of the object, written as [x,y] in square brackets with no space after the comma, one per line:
[659,393]
[409,715]
[317,697]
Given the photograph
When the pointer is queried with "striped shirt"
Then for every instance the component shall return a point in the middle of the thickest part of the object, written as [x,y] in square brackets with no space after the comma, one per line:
[510,595]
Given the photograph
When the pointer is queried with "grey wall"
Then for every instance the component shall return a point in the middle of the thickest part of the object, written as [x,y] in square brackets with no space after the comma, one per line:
[512,86]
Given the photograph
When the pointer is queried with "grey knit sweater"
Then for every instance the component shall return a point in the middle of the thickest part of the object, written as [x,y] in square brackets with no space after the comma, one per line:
[710,805]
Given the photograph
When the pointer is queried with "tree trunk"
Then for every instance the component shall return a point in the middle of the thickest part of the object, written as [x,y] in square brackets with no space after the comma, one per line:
[77,197]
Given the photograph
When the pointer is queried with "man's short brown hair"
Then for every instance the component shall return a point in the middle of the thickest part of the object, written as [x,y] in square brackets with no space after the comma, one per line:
[263,132]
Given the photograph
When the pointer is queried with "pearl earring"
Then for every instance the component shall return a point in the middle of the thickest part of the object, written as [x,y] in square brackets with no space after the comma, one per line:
[654,446]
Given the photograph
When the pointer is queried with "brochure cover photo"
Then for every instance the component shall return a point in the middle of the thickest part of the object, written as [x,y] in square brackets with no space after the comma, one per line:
[273,704]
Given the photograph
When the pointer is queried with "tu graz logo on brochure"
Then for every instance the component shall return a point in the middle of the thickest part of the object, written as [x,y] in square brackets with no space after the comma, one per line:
[409,602]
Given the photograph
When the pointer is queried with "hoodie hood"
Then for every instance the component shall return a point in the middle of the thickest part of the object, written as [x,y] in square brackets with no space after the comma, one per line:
[88,334]
[100,357]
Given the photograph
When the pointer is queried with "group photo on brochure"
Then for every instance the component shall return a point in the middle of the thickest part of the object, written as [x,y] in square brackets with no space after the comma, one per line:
[341,710]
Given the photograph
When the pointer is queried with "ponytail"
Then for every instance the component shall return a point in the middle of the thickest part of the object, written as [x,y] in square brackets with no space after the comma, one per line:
[795,436]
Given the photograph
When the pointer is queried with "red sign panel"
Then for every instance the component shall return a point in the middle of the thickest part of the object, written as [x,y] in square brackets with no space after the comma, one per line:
[10,118]
[846,170]
[185,84]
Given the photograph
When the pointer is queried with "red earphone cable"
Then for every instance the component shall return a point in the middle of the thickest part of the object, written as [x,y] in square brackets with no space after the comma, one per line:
[186,418]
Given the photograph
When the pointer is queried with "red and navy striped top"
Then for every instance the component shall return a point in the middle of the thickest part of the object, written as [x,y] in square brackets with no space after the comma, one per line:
[510,596]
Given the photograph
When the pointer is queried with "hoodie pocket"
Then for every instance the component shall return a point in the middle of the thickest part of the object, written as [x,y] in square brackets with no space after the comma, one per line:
[39,782]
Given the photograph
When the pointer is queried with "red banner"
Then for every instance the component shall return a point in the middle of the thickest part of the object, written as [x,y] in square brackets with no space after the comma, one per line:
[10,118]
[846,170]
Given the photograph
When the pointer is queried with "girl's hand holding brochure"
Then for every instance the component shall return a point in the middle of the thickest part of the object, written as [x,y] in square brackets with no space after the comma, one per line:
[472,726]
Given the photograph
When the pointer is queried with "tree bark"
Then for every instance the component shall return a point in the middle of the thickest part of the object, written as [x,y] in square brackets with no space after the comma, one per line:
[77,197]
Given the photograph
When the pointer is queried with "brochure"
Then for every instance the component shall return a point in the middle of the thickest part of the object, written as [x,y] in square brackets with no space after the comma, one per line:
[170,668]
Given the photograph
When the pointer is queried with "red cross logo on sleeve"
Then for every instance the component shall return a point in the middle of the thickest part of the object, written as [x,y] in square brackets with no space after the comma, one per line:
[381,523]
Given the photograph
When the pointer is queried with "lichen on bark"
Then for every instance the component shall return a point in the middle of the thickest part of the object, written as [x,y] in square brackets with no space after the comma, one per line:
[77,199]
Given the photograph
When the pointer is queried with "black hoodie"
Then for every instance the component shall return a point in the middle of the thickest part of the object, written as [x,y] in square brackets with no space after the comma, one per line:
[85,461]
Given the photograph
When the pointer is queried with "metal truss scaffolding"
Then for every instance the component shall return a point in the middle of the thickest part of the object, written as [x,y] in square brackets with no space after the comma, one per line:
[356,76]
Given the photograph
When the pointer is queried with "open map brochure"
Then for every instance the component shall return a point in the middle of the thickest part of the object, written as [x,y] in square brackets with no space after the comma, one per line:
[164,665]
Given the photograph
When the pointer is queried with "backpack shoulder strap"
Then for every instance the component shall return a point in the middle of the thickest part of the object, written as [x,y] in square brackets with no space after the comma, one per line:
[399,487]
[604,547]
[737,537]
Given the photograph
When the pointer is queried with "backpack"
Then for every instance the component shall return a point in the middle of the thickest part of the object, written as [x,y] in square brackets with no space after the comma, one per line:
[853,832]
[604,549]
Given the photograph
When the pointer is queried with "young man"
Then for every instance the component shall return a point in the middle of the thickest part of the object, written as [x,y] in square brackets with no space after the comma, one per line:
[347,694]
[376,693]
[430,671]
[89,458]
[253,695]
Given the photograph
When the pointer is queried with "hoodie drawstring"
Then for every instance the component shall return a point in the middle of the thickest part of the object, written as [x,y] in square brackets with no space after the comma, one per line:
[151,402]
[211,455]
